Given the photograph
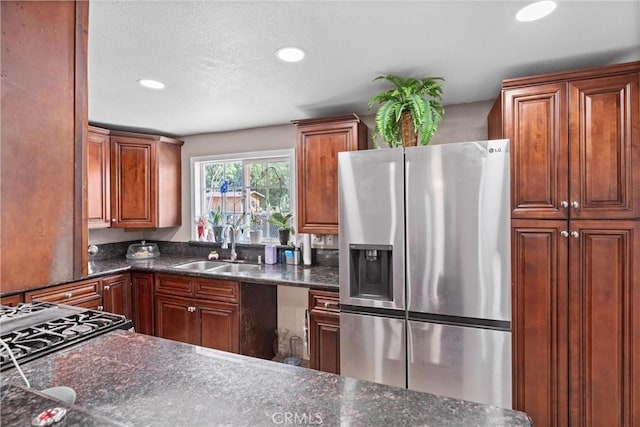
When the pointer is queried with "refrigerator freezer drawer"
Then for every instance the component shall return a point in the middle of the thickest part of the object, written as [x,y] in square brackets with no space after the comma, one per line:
[462,362]
[373,348]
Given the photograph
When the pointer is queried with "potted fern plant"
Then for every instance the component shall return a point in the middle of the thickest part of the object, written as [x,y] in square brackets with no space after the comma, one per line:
[410,112]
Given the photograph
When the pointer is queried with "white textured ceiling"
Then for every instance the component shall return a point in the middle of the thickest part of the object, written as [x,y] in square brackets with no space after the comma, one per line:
[217,57]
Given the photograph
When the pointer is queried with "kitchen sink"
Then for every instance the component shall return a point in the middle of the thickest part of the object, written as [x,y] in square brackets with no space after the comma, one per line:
[235,268]
[200,265]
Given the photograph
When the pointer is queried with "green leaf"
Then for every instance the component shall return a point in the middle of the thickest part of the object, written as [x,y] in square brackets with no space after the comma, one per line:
[421,97]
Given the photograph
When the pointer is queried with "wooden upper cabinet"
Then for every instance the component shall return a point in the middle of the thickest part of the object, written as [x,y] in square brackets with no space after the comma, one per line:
[319,142]
[145,181]
[575,143]
[605,147]
[98,178]
[535,121]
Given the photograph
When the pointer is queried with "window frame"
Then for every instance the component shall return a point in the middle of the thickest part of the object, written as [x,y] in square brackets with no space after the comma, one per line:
[195,204]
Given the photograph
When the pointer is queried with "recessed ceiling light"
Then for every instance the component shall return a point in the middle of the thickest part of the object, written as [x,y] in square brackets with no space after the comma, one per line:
[290,54]
[151,84]
[535,11]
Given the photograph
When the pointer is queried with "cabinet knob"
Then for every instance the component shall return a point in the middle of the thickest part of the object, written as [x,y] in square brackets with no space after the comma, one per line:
[107,287]
[575,234]
[191,309]
[575,204]
[68,295]
[114,220]
[101,307]
[564,204]
[564,233]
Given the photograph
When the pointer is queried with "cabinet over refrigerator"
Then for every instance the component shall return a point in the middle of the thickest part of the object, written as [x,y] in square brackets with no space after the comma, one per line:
[425,269]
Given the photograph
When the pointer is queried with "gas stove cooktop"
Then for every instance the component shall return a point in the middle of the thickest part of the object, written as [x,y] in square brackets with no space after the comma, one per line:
[33,330]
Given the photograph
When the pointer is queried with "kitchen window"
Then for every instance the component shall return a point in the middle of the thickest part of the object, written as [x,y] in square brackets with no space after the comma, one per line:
[241,189]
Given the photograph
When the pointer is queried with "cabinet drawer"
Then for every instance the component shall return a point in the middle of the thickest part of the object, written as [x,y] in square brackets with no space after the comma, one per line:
[174,285]
[219,290]
[324,301]
[11,300]
[79,293]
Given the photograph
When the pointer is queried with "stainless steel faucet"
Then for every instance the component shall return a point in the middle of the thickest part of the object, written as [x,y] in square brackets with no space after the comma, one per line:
[229,235]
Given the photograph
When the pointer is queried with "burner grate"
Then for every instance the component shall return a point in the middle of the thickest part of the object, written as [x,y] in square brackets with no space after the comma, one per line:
[33,330]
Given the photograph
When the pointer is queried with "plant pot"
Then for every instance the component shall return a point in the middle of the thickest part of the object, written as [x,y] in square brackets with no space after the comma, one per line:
[255,236]
[217,233]
[283,234]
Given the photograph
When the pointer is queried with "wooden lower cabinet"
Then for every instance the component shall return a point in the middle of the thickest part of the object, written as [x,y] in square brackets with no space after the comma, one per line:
[116,295]
[142,302]
[175,319]
[218,325]
[604,323]
[220,314]
[324,331]
[86,293]
[576,328]
[12,300]
[539,320]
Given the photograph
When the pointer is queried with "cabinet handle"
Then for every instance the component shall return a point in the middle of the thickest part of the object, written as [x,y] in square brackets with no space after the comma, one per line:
[107,287]
[564,233]
[575,204]
[564,204]
[101,307]
[191,309]
[114,220]
[330,305]
[575,234]
[68,295]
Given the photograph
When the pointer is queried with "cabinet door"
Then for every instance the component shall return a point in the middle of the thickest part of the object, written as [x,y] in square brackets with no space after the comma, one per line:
[142,302]
[133,184]
[535,120]
[176,319]
[98,177]
[319,143]
[324,331]
[539,324]
[116,293]
[219,326]
[605,323]
[605,147]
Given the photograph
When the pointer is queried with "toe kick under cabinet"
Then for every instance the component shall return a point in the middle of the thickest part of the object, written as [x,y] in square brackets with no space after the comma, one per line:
[220,314]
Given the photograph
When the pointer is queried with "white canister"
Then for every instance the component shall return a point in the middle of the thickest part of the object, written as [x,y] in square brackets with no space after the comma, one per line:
[306,249]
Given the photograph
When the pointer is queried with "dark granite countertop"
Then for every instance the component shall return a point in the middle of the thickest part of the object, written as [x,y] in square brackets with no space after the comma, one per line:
[21,405]
[315,277]
[147,381]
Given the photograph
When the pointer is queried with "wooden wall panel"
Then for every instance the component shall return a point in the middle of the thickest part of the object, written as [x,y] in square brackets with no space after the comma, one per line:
[43,109]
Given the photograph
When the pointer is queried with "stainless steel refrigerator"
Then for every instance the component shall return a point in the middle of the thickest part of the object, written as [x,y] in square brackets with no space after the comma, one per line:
[425,269]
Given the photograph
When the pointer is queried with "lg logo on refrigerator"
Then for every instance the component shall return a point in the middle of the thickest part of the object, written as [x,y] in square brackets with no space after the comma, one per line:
[495,150]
